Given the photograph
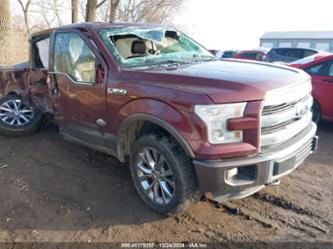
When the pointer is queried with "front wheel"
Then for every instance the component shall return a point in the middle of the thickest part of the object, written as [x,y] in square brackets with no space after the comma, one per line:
[18,118]
[162,173]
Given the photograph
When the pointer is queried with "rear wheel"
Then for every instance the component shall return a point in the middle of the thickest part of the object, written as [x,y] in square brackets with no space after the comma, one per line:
[162,173]
[316,116]
[18,118]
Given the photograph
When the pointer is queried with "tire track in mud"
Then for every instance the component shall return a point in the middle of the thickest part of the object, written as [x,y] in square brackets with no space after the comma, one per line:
[284,214]
[232,225]
[289,206]
[201,227]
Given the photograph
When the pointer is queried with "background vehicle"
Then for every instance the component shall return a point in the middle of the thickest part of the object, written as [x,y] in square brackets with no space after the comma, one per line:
[250,55]
[320,67]
[226,54]
[187,123]
[213,51]
[288,54]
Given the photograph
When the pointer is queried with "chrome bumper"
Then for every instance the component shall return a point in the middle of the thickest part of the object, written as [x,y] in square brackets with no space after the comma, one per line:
[236,178]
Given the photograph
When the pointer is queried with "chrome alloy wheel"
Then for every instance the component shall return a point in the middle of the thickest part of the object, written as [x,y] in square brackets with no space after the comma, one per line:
[155,176]
[14,113]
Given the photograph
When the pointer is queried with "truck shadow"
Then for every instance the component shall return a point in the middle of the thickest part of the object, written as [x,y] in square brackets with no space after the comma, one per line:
[325,127]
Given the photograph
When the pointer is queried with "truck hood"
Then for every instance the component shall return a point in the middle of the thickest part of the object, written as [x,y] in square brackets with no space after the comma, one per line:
[223,81]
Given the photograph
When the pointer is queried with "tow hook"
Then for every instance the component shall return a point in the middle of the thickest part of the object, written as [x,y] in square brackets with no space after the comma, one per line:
[274,183]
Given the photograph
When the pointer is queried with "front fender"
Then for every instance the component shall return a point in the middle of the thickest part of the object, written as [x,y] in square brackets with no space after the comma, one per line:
[178,123]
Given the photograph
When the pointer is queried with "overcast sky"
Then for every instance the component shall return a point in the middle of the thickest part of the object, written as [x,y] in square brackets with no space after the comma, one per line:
[238,24]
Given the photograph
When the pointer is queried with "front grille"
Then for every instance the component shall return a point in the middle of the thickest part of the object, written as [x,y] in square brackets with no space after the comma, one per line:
[275,128]
[278,108]
[282,120]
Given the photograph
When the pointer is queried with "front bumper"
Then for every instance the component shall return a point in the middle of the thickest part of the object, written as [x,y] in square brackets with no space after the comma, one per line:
[236,178]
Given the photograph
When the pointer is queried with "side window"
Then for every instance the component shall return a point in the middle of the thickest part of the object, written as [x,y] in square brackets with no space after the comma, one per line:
[279,51]
[323,69]
[330,70]
[308,53]
[249,55]
[73,57]
[40,53]
[259,56]
[294,53]
[314,70]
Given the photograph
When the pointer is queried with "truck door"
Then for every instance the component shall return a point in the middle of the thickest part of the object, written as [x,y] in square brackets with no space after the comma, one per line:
[77,85]
[38,70]
[322,80]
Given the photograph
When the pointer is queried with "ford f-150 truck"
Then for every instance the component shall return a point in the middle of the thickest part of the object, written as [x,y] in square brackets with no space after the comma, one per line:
[188,124]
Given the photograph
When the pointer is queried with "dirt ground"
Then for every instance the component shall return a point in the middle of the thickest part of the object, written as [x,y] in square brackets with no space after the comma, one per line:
[55,191]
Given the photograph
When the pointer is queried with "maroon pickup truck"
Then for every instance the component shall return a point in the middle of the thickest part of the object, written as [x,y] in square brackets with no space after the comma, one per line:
[187,123]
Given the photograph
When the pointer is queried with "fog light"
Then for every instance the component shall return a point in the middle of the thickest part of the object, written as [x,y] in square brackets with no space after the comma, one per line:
[231,173]
[241,175]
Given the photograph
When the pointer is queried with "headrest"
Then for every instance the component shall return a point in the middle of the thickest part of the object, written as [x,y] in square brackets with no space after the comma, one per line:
[138,47]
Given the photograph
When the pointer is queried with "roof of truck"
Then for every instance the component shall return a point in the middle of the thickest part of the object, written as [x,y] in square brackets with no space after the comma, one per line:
[42,32]
[99,25]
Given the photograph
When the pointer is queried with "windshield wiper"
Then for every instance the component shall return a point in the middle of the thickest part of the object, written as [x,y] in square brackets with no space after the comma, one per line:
[151,62]
[204,58]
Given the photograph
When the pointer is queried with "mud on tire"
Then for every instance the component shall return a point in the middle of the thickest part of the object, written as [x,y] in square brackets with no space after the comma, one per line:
[153,157]
[18,118]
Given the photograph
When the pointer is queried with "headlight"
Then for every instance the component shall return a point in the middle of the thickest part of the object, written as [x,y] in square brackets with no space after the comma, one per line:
[216,118]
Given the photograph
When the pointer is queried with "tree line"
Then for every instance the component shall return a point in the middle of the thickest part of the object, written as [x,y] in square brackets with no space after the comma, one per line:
[35,15]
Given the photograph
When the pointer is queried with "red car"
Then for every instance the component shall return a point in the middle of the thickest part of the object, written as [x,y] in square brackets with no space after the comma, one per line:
[320,67]
[251,55]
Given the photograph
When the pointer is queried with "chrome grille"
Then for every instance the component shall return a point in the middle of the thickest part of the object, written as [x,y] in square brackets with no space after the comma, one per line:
[283,118]
[278,108]
[303,153]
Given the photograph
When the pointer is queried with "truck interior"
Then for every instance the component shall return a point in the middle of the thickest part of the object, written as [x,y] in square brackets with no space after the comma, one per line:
[132,46]
[142,46]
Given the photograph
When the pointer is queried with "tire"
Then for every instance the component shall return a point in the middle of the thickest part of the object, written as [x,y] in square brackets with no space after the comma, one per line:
[181,176]
[316,115]
[12,107]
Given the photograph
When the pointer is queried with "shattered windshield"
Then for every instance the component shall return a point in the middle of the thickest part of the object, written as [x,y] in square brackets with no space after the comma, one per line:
[135,47]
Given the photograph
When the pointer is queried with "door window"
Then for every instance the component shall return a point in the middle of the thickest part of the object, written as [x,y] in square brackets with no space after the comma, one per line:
[40,53]
[73,57]
[322,69]
[294,53]
[308,53]
[248,55]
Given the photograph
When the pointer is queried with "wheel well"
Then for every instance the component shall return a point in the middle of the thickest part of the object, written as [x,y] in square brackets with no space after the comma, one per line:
[136,130]
[12,93]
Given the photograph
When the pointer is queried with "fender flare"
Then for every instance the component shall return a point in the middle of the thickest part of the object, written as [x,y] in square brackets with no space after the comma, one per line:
[163,124]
